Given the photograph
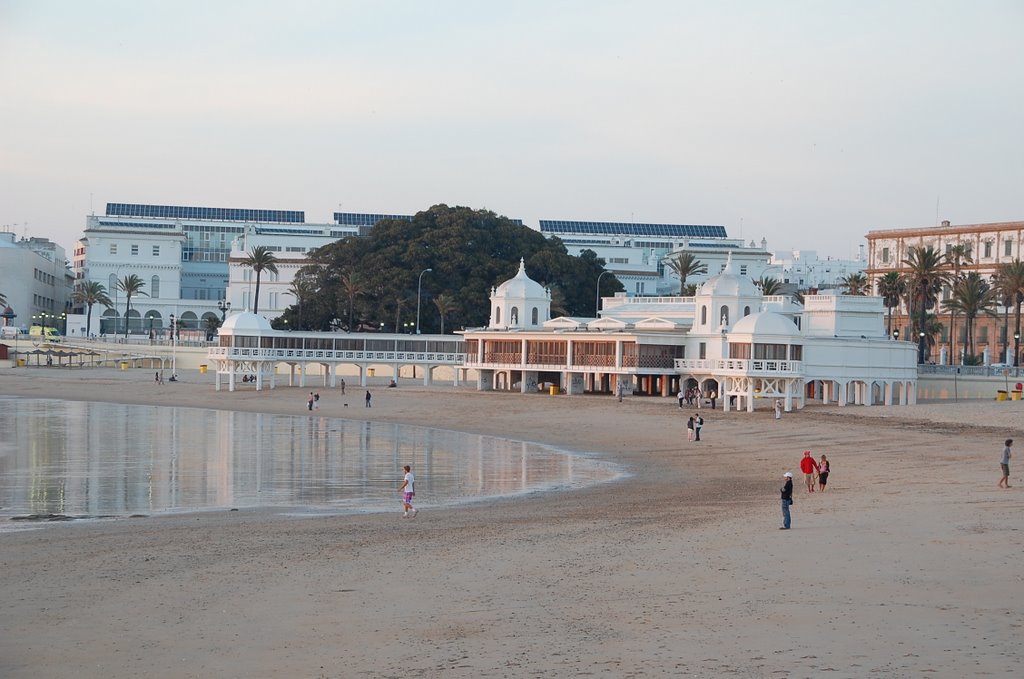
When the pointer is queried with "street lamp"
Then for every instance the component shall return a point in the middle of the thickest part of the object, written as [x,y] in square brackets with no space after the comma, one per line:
[224,306]
[1016,349]
[174,352]
[419,288]
[597,301]
[920,347]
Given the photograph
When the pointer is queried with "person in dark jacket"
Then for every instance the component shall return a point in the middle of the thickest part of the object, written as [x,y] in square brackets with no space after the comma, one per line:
[787,500]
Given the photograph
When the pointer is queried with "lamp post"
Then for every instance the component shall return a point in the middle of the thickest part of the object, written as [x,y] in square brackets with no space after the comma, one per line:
[174,349]
[419,288]
[1016,349]
[224,307]
[597,301]
[920,347]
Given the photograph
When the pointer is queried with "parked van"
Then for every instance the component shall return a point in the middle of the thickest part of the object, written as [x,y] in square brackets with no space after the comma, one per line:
[9,332]
[44,332]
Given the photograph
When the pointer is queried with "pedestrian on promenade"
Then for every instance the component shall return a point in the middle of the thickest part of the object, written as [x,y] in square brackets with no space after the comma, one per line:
[787,500]
[1004,464]
[368,397]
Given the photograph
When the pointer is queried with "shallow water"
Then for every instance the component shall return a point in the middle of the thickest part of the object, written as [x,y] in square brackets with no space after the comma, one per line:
[87,459]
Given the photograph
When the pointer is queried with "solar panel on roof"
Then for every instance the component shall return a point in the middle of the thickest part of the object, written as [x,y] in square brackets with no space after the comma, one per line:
[207,213]
[621,228]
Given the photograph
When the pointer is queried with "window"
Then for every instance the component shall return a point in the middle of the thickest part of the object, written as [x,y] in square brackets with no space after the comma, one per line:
[703,350]
[513,316]
[743,269]
[497,315]
[1007,248]
[885,255]
[154,286]
[533,316]
[983,335]
[988,249]
[112,283]
[724,315]
[113,248]
[156,250]
[746,311]
[703,316]
[135,250]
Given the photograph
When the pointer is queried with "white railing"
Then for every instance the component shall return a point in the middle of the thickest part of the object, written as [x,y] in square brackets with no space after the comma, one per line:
[741,365]
[300,355]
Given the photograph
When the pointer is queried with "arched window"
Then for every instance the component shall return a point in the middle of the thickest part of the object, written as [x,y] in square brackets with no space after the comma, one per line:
[513,317]
[154,287]
[703,314]
[112,283]
[534,316]
[746,311]
[725,315]
[497,315]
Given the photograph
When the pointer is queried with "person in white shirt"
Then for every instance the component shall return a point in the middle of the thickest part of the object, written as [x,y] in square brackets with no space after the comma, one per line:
[408,490]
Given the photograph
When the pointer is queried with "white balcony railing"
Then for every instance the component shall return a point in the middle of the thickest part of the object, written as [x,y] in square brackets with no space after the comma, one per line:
[747,366]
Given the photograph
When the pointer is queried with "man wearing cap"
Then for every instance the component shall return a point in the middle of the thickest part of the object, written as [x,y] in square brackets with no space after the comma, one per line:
[808,465]
[787,500]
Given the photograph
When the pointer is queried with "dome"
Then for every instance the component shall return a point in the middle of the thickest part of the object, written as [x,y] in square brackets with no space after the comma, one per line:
[729,284]
[245,323]
[521,287]
[766,323]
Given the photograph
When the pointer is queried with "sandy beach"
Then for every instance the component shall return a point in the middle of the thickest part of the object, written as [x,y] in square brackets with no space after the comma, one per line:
[910,564]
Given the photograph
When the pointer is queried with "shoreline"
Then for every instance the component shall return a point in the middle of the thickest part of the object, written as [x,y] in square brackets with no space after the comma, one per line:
[901,568]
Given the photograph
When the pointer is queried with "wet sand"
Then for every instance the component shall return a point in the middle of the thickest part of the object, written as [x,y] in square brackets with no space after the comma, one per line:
[909,565]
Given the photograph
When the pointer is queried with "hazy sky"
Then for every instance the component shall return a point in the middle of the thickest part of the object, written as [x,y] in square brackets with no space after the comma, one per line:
[809,123]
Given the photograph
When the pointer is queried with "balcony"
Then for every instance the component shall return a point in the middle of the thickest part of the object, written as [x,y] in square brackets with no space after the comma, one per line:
[741,366]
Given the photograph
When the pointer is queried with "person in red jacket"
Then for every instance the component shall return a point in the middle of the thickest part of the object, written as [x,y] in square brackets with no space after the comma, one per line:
[808,465]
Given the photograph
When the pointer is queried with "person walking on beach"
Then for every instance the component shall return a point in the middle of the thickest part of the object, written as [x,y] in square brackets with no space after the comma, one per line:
[698,422]
[619,387]
[689,429]
[316,401]
[787,500]
[778,409]
[309,401]
[368,397]
[714,397]
[342,386]
[1004,463]
[808,466]
[408,490]
[822,473]
[682,398]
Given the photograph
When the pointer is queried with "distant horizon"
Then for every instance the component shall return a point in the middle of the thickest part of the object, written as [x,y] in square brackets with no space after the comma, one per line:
[808,124]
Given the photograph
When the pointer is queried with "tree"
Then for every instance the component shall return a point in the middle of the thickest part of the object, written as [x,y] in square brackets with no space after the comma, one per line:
[684,265]
[956,256]
[352,286]
[131,285]
[91,293]
[445,305]
[768,285]
[1010,281]
[855,283]
[971,296]
[925,279]
[892,287]
[3,299]
[212,325]
[260,259]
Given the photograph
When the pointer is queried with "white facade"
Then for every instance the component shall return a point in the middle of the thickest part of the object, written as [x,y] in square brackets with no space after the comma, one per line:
[35,280]
[728,339]
[804,270]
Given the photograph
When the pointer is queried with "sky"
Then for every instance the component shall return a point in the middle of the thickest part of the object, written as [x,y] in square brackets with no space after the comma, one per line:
[806,123]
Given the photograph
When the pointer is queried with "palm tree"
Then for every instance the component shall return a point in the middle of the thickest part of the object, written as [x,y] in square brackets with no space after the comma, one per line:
[972,296]
[1010,281]
[925,279]
[130,285]
[260,259]
[685,265]
[855,283]
[212,324]
[3,300]
[769,286]
[89,294]
[445,305]
[956,256]
[301,289]
[352,283]
[892,286]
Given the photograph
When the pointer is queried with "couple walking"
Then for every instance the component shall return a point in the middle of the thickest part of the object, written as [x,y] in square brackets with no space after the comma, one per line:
[693,427]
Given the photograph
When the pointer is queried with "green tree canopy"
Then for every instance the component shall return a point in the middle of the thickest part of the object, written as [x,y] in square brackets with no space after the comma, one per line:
[371,282]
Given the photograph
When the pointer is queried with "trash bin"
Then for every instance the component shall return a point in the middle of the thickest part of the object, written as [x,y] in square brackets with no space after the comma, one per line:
[21,363]
[202,368]
[124,365]
[1016,395]
[553,390]
[1001,395]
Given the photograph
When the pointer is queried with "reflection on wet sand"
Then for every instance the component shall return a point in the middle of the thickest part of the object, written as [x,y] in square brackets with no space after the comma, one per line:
[72,458]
